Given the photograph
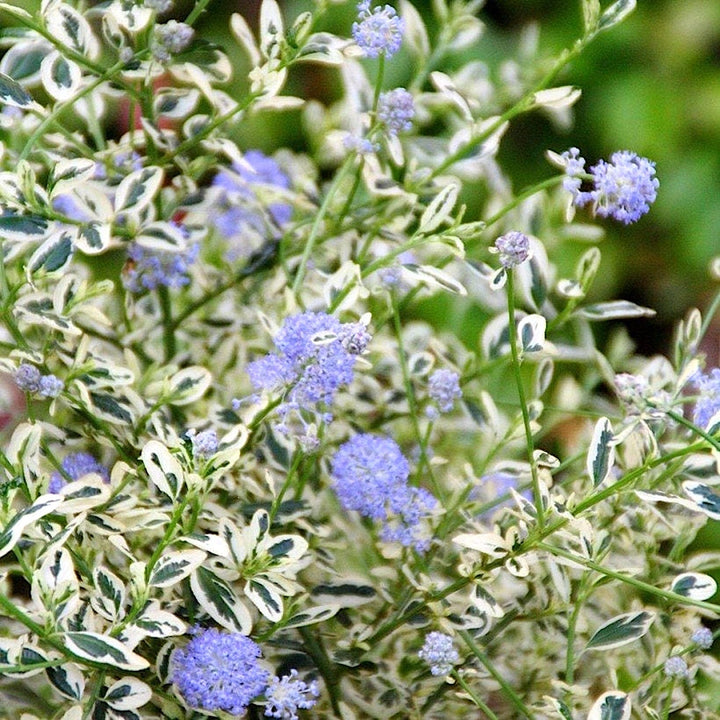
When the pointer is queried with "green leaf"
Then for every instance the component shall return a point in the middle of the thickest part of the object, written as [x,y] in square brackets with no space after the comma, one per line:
[13,94]
[601,453]
[103,649]
[621,630]
[613,705]
[220,602]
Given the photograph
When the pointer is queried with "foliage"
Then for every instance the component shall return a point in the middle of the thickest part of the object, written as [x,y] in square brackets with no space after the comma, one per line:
[241,476]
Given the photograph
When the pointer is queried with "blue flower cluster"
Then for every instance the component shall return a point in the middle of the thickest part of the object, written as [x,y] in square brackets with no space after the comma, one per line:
[708,402]
[396,110]
[148,270]
[219,671]
[75,466]
[513,247]
[623,189]
[379,31]
[31,380]
[316,356]
[239,211]
[444,388]
[288,695]
[370,475]
[438,652]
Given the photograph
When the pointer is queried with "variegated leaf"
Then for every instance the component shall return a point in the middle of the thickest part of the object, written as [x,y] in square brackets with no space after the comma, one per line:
[220,602]
[172,567]
[103,649]
[621,630]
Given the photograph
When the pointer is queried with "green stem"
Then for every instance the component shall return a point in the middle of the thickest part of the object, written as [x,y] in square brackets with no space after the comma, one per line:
[693,428]
[667,595]
[169,343]
[512,336]
[412,402]
[196,11]
[475,698]
[508,691]
[315,229]
[329,671]
[277,502]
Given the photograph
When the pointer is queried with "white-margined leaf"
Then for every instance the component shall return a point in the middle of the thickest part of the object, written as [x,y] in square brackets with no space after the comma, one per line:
[14,94]
[93,238]
[56,573]
[322,48]
[446,87]
[601,453]
[265,598]
[28,657]
[53,254]
[570,289]
[68,26]
[621,630]
[176,103]
[242,33]
[154,622]
[614,14]
[131,17]
[613,705]
[68,680]
[61,78]
[110,597]
[439,209]
[557,98]
[271,29]
[531,333]
[128,693]
[172,567]
[162,236]
[68,173]
[103,649]
[189,384]
[218,599]
[285,548]
[116,409]
[21,228]
[348,593]
[311,616]
[591,14]
[92,203]
[434,277]
[138,189]
[696,586]
[163,469]
[22,61]
[490,544]
[614,310]
[415,35]
[703,497]
[38,309]
[485,602]
[23,450]
[10,534]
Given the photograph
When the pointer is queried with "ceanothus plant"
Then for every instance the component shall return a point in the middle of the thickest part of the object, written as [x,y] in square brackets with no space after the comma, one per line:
[246,472]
